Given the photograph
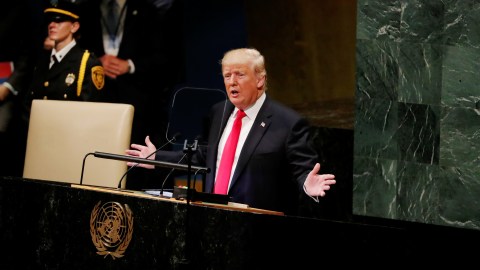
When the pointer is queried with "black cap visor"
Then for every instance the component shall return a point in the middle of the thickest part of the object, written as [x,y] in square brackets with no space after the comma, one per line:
[58,18]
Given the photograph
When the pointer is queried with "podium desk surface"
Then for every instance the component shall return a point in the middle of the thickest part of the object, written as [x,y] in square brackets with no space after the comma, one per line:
[140,194]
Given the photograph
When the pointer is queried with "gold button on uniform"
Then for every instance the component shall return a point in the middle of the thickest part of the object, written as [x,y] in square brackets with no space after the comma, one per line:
[65,96]
[45,84]
[45,97]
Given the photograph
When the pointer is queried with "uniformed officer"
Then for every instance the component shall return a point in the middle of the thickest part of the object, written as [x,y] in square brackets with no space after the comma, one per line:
[66,72]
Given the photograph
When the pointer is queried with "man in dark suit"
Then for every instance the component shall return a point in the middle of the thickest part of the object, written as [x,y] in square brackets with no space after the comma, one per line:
[273,162]
[133,50]
[131,39]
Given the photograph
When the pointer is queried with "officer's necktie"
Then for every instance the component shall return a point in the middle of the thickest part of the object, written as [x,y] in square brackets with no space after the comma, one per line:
[53,62]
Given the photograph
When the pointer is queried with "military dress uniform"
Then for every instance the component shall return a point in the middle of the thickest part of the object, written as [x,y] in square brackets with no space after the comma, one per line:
[78,77]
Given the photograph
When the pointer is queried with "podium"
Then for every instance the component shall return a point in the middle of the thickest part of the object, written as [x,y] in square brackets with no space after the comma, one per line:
[51,225]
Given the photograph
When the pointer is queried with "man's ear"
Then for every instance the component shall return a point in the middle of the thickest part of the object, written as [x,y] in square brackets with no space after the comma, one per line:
[261,82]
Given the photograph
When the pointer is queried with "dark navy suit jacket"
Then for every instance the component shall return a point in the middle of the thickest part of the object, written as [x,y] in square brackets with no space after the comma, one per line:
[273,164]
[144,43]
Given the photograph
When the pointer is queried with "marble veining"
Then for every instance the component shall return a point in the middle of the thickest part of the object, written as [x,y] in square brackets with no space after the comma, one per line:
[417,121]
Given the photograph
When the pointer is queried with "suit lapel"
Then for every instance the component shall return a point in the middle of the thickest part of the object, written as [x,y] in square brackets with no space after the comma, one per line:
[260,126]
[224,121]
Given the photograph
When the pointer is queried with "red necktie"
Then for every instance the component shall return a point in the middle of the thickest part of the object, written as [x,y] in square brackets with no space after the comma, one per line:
[226,163]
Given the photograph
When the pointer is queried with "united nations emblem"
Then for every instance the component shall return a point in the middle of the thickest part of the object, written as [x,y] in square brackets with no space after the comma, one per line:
[111,228]
[98,77]
[70,79]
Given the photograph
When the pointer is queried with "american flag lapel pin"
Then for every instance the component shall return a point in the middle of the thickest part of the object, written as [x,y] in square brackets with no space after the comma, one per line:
[262,124]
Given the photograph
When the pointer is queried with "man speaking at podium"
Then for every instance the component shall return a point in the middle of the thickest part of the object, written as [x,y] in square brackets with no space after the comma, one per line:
[259,150]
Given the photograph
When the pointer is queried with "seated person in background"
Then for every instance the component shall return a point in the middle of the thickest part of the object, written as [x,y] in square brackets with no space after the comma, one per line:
[20,34]
[273,163]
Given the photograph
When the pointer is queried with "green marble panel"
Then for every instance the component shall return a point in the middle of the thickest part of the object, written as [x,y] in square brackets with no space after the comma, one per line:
[418,133]
[418,192]
[420,72]
[462,19]
[422,21]
[460,77]
[375,129]
[459,204]
[378,19]
[460,138]
[375,187]
[377,69]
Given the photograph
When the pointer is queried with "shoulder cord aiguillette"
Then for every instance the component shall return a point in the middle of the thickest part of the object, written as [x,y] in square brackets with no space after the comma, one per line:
[81,73]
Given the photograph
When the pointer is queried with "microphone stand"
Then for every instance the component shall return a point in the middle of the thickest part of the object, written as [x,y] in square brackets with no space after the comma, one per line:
[188,149]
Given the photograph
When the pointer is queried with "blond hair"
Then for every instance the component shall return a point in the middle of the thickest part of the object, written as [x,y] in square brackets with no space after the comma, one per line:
[247,56]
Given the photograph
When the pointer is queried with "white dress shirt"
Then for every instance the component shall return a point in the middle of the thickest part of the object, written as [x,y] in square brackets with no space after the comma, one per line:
[247,123]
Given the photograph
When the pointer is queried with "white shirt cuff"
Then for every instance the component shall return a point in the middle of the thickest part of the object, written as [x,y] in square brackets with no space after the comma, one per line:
[10,87]
[315,198]
[131,65]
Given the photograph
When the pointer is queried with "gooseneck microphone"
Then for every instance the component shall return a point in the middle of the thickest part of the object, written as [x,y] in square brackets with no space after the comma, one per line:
[172,140]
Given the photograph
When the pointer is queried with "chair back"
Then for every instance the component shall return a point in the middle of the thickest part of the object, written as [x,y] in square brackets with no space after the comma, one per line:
[61,134]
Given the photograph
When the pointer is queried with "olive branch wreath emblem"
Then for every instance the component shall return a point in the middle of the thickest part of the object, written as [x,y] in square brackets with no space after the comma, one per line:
[111,228]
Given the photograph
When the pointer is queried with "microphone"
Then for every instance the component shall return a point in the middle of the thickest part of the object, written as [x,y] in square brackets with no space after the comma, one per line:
[172,140]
